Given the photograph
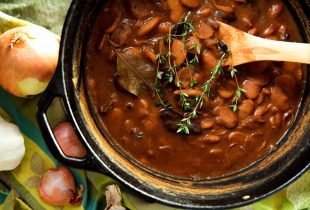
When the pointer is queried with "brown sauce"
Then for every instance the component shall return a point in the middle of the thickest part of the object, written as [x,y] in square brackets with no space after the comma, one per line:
[223,138]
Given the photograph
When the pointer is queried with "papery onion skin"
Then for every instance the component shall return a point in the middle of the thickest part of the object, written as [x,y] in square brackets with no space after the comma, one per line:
[69,141]
[57,186]
[27,63]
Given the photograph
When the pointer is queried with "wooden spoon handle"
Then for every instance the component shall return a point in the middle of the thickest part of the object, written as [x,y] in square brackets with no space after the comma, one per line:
[247,48]
[259,49]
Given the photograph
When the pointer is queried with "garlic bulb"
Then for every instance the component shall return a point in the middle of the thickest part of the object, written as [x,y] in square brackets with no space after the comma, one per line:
[12,148]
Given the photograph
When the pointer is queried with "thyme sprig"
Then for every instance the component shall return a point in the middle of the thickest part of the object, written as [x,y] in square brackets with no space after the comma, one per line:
[206,90]
[238,93]
[167,72]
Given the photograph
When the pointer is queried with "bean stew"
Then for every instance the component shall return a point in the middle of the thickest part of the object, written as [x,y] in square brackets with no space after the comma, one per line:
[159,79]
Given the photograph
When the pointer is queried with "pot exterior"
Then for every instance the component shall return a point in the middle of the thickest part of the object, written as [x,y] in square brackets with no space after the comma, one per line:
[276,170]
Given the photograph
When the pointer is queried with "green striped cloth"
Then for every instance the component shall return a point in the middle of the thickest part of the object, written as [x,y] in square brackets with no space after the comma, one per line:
[19,188]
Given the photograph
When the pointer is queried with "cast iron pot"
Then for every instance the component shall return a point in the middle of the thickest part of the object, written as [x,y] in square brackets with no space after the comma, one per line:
[289,160]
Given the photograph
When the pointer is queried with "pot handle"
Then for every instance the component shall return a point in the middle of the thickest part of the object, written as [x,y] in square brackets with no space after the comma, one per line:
[56,89]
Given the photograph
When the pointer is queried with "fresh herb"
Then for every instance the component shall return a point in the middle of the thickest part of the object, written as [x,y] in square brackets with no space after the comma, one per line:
[206,88]
[237,98]
[167,73]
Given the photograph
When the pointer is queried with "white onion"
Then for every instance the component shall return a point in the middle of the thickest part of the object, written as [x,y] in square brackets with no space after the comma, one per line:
[28,59]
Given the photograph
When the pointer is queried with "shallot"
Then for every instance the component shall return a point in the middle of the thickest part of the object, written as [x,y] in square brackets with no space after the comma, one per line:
[57,187]
[69,141]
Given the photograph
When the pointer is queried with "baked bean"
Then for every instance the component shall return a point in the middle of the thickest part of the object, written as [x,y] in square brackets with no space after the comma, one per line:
[225,116]
[184,78]
[148,26]
[224,8]
[287,83]
[211,139]
[227,90]
[205,11]
[161,45]
[283,32]
[121,35]
[216,152]
[261,110]
[250,122]
[148,53]
[269,30]
[189,92]
[193,41]
[275,120]
[209,62]
[133,51]
[142,108]
[275,10]
[247,21]
[273,109]
[237,137]
[259,99]
[246,108]
[280,99]
[164,27]
[218,101]
[218,131]
[293,69]
[177,11]
[178,51]
[266,91]
[198,78]
[251,89]
[116,114]
[206,101]
[204,31]
[253,31]
[191,3]
[207,123]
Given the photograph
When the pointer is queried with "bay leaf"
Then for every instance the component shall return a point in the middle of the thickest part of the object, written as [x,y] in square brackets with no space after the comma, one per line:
[136,72]
[37,164]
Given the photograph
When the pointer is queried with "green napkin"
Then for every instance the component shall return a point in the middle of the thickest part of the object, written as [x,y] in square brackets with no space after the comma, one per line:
[18,188]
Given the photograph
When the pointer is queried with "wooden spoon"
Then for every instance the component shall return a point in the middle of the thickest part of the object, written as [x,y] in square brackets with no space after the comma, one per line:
[247,48]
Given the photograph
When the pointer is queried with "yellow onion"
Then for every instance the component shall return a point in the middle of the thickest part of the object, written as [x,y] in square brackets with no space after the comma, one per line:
[28,59]
[57,187]
[69,141]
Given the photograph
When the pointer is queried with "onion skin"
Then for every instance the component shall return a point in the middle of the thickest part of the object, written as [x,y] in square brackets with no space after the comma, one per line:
[69,141]
[57,186]
[29,57]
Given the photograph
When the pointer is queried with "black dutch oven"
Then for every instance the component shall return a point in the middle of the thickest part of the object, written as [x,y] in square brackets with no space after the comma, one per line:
[289,160]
